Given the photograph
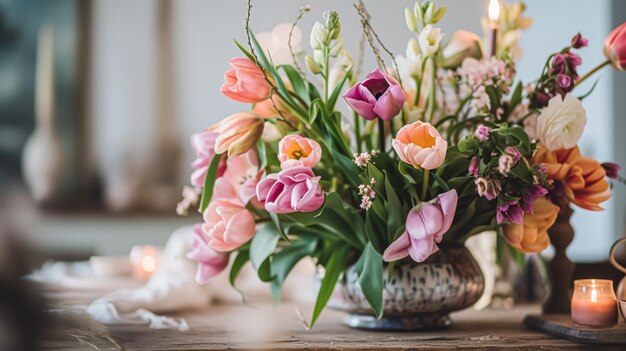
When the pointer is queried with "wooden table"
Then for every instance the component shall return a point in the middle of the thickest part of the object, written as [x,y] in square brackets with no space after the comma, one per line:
[237,327]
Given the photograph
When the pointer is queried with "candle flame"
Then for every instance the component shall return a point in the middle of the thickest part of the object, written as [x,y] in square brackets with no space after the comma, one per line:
[148,263]
[594,295]
[494,10]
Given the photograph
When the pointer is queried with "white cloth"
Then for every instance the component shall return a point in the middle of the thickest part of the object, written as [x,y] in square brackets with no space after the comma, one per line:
[171,288]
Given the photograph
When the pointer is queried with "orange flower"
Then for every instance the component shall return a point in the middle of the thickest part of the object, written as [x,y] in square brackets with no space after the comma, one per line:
[583,178]
[532,235]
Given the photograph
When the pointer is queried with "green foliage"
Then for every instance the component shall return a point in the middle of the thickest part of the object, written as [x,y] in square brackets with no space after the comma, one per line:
[209,182]
[332,270]
[369,269]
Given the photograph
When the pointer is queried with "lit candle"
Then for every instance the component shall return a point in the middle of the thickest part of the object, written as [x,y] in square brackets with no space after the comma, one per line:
[145,261]
[594,303]
[494,15]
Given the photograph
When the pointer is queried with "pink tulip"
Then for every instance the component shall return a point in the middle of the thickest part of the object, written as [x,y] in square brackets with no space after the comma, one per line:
[615,47]
[295,150]
[242,175]
[425,226]
[294,189]
[245,81]
[210,262]
[204,145]
[420,145]
[238,133]
[227,225]
[379,95]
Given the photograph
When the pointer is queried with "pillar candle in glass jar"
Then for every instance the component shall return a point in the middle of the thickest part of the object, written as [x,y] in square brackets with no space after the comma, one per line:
[594,303]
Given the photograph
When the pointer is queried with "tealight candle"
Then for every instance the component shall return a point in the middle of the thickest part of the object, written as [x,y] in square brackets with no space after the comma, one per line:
[494,15]
[594,303]
[145,260]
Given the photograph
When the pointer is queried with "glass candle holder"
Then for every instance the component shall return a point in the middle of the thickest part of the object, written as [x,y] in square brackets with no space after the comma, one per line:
[594,303]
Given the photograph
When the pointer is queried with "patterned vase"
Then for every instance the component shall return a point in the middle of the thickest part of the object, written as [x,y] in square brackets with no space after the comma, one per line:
[418,296]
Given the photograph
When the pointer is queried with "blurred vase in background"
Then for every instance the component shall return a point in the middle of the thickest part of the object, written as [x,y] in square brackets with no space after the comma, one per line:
[42,161]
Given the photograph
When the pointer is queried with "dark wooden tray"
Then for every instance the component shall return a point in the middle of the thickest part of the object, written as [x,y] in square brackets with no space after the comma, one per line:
[561,325]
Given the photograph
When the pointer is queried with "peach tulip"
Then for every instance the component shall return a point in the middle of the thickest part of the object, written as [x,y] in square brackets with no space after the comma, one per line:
[295,150]
[615,47]
[237,133]
[245,81]
[210,262]
[583,178]
[420,145]
[228,225]
[532,235]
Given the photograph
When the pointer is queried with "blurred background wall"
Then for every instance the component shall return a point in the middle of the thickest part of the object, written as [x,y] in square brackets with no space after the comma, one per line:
[134,79]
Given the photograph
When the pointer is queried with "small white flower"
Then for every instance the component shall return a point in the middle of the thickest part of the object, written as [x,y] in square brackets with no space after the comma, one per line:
[319,36]
[561,123]
[430,40]
[312,65]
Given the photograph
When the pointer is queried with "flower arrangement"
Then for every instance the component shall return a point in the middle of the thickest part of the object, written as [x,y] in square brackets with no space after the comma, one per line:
[442,144]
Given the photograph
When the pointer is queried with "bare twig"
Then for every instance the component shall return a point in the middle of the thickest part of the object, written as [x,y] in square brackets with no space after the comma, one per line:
[360,8]
[293,26]
[365,17]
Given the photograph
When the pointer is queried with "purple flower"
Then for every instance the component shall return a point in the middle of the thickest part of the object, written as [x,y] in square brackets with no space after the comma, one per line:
[558,64]
[294,189]
[488,188]
[541,99]
[505,163]
[573,61]
[510,212]
[513,152]
[379,95]
[425,226]
[474,166]
[482,132]
[541,168]
[564,82]
[529,195]
[611,169]
[578,41]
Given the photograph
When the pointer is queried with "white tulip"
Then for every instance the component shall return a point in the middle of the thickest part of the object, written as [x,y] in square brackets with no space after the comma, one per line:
[561,123]
[430,40]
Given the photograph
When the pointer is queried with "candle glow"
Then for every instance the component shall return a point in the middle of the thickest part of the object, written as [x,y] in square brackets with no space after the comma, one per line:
[594,303]
[494,10]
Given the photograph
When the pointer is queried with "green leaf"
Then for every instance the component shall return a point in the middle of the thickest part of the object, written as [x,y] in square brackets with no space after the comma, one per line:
[332,100]
[593,87]
[442,183]
[238,263]
[335,265]
[516,97]
[375,230]
[245,51]
[369,269]
[263,244]
[284,261]
[315,109]
[209,182]
[396,213]
[297,83]
[279,227]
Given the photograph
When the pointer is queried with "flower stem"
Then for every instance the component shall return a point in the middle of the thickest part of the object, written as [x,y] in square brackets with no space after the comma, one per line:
[381,134]
[357,131]
[592,72]
[425,184]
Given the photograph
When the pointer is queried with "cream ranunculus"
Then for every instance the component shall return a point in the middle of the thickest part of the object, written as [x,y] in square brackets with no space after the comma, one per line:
[561,123]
